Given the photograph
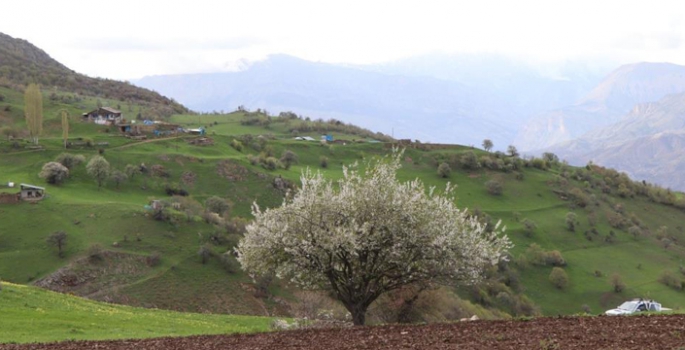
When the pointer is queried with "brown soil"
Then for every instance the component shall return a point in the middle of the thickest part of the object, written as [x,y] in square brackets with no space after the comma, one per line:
[602,332]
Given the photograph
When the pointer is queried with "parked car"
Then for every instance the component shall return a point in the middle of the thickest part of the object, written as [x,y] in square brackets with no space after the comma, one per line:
[635,306]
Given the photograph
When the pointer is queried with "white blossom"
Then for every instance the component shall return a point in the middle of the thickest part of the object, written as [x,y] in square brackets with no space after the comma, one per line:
[368,234]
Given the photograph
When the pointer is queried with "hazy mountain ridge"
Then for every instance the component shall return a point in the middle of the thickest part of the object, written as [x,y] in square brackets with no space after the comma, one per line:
[646,143]
[409,98]
[615,96]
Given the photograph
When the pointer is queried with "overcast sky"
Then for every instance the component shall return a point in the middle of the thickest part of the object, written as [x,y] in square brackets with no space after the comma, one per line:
[126,39]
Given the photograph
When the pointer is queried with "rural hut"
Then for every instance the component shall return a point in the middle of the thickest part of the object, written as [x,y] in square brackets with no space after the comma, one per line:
[31,192]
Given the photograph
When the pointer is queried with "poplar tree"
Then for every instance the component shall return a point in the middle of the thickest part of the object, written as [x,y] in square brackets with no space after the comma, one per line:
[33,109]
[65,127]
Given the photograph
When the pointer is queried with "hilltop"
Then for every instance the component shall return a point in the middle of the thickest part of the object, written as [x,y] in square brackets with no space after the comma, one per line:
[22,63]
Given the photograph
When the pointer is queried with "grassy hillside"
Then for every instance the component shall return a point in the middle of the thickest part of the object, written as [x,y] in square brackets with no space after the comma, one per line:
[142,261]
[32,314]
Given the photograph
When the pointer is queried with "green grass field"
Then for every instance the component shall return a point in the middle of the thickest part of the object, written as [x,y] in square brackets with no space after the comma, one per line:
[109,215]
[32,315]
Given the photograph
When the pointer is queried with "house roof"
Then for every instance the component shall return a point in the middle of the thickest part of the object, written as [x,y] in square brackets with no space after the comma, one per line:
[110,109]
[31,187]
[107,109]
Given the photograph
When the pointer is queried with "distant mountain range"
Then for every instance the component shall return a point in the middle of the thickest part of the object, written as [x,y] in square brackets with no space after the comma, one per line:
[437,98]
[615,96]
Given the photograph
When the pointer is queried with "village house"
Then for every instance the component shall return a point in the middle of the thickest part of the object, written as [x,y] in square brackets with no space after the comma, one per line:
[104,116]
[31,192]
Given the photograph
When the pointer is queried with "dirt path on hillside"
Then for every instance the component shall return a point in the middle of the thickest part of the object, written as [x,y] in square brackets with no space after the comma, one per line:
[587,333]
[147,141]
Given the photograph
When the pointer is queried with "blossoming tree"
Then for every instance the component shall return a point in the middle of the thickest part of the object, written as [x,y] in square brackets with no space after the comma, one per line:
[368,234]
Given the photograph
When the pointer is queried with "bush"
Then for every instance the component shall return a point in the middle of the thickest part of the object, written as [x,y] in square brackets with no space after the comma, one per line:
[669,279]
[288,158]
[70,160]
[271,163]
[237,145]
[205,252]
[173,189]
[444,170]
[54,173]
[95,253]
[323,161]
[529,227]
[571,221]
[617,283]
[494,187]
[217,205]
[554,258]
[559,278]
[153,259]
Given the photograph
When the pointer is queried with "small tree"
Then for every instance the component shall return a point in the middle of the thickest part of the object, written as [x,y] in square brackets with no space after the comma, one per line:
[205,252]
[559,278]
[571,221]
[635,231]
[131,170]
[54,173]
[494,187]
[367,235]
[487,145]
[617,283]
[33,109]
[58,239]
[65,127]
[512,151]
[217,205]
[288,158]
[444,170]
[118,177]
[529,227]
[98,168]
[70,160]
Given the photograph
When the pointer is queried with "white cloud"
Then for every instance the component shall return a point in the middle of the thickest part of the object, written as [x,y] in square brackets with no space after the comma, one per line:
[128,39]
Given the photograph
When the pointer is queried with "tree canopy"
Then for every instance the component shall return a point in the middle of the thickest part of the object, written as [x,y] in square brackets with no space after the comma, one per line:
[368,234]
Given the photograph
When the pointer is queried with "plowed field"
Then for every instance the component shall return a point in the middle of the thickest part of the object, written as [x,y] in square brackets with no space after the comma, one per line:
[587,333]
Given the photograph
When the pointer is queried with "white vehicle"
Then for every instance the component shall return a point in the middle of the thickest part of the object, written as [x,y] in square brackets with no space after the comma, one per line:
[635,306]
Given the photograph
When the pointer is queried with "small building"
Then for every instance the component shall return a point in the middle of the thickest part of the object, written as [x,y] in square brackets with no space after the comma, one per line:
[104,116]
[31,192]
[199,131]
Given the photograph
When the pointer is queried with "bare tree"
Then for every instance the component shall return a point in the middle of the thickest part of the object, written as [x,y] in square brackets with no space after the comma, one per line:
[58,239]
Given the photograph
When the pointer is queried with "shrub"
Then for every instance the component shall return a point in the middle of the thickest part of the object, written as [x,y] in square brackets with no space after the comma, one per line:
[529,227]
[559,278]
[323,161]
[271,163]
[217,205]
[554,258]
[173,189]
[252,159]
[635,231]
[70,160]
[617,283]
[288,158]
[95,253]
[494,187]
[159,171]
[237,145]
[205,252]
[118,177]
[571,221]
[153,259]
[444,170]
[669,279]
[54,173]
[469,161]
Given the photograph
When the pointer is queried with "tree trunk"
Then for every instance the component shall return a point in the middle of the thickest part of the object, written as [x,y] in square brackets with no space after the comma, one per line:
[358,314]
